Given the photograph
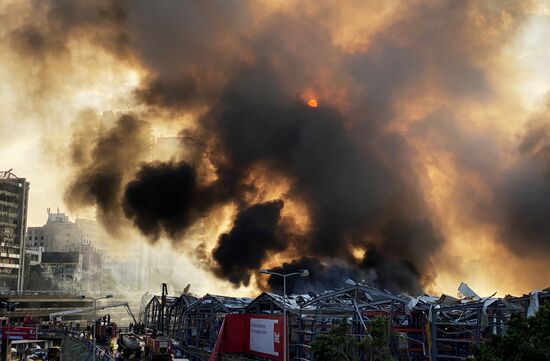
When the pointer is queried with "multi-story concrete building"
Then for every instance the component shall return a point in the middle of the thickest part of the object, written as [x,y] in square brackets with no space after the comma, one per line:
[99,261]
[14,192]
[63,268]
[36,237]
[34,255]
[59,234]
[92,236]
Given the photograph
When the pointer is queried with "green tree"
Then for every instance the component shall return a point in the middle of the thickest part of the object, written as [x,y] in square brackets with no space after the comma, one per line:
[376,347]
[337,345]
[527,339]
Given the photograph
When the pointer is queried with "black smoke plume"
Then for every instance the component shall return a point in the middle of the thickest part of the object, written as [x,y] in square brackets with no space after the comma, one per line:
[352,161]
[321,276]
[115,155]
[256,231]
[401,261]
[164,197]
[524,194]
[348,190]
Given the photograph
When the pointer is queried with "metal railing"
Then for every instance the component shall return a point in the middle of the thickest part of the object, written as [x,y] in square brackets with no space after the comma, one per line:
[100,353]
[50,293]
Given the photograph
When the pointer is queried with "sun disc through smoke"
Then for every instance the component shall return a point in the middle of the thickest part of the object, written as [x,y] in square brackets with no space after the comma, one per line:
[312,103]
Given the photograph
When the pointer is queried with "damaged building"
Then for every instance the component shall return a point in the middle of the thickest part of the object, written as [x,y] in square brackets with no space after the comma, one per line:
[14,194]
[423,328]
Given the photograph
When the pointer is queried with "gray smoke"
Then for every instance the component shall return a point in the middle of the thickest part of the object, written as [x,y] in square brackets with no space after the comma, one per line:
[350,161]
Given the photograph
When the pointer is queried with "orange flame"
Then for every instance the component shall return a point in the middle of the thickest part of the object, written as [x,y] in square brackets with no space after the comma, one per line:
[312,103]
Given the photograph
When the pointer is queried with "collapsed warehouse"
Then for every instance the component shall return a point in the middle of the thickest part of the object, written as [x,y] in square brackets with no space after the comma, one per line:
[423,328]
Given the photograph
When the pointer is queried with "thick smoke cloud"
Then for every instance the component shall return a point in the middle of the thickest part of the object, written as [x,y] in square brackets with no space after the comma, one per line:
[256,231]
[400,263]
[355,163]
[321,276]
[342,183]
[179,93]
[524,194]
[163,196]
[184,49]
[402,260]
[349,192]
[115,155]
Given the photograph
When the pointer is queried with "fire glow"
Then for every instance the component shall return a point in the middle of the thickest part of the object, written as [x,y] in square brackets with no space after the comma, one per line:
[381,183]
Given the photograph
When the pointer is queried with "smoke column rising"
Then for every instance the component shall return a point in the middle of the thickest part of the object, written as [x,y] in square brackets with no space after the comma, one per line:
[398,161]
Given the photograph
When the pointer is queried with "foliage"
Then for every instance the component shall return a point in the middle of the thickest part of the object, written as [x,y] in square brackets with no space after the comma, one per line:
[377,346]
[527,339]
[337,345]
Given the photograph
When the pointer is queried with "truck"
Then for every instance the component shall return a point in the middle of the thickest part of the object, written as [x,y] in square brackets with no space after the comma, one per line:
[158,348]
[105,331]
[130,344]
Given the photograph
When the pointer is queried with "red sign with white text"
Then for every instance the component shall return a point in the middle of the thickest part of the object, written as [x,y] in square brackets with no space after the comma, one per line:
[20,333]
[260,335]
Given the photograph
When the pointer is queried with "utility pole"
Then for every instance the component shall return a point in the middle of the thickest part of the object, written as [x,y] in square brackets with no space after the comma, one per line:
[94,320]
[303,273]
[162,307]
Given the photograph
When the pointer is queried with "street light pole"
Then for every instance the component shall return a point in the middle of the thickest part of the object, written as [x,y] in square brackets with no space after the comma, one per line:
[303,273]
[94,320]
[285,342]
[94,330]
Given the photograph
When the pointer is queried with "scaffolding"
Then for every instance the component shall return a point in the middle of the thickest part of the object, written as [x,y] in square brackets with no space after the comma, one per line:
[457,327]
[204,317]
[359,304]
[154,312]
[8,174]
[175,316]
[420,329]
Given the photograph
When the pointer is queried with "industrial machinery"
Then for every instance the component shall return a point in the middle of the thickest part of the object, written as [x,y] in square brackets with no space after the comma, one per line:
[105,330]
[158,348]
[58,315]
[130,344]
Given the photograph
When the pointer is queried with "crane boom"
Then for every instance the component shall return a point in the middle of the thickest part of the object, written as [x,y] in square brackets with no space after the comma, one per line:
[88,309]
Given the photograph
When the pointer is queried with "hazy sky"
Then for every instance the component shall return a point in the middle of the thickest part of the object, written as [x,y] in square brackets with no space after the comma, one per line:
[38,111]
[26,135]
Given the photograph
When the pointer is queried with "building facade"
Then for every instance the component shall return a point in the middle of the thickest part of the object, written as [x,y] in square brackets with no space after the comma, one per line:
[34,256]
[14,192]
[63,268]
[59,234]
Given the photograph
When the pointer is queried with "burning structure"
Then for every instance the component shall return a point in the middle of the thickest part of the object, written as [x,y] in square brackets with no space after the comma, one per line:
[422,328]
